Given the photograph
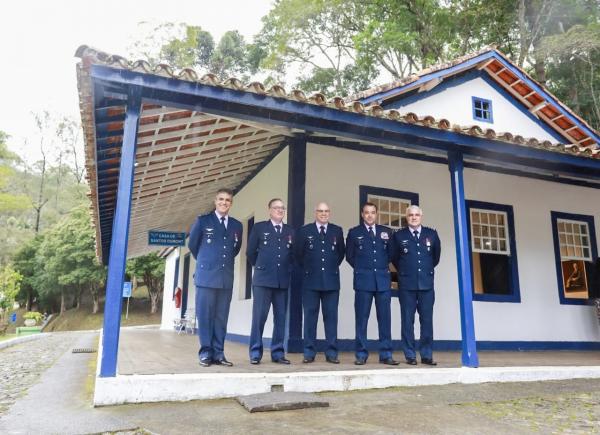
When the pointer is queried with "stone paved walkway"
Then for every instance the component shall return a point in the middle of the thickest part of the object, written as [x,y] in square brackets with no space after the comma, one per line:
[21,365]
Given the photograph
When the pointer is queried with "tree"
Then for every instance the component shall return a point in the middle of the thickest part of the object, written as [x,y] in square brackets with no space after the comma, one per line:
[10,281]
[9,201]
[151,269]
[67,261]
[24,262]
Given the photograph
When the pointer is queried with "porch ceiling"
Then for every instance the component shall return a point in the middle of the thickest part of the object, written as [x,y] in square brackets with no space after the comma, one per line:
[197,134]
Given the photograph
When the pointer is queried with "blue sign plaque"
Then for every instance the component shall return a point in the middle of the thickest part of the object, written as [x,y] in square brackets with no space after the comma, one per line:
[166,238]
[127,289]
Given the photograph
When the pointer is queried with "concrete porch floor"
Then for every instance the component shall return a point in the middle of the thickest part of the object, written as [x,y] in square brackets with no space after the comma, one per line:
[153,351]
[157,366]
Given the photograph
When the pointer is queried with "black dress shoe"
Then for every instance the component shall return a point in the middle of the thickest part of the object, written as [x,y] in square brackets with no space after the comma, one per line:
[411,361]
[308,360]
[360,362]
[428,361]
[223,362]
[281,360]
[332,359]
[389,362]
[205,362]
[254,361]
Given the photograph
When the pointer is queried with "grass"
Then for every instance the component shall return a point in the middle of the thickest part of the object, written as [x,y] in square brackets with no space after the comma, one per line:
[7,337]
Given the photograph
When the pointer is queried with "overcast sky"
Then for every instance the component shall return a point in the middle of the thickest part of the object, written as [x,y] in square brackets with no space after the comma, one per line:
[38,40]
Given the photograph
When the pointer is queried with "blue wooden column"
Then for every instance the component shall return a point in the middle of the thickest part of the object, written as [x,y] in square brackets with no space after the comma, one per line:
[120,232]
[296,209]
[463,260]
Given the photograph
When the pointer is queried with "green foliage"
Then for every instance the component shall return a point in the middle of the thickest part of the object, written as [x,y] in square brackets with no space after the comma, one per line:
[24,261]
[151,269]
[10,281]
[65,260]
[9,201]
[33,315]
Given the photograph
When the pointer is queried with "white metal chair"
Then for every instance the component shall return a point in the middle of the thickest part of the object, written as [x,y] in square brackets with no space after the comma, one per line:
[188,322]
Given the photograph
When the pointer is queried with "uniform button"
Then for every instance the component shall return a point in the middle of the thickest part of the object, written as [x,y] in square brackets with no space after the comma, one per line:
[322,268]
[279,247]
[374,270]
[375,251]
[224,255]
[375,259]
[223,265]
[322,250]
[418,244]
[322,259]
[278,265]
[419,270]
[418,253]
[279,255]
[419,261]
[224,247]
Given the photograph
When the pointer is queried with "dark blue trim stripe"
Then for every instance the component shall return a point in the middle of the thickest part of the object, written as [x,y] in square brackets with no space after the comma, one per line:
[515,292]
[348,345]
[554,216]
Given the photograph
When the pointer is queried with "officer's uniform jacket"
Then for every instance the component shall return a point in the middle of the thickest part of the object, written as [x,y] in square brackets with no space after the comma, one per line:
[416,259]
[271,254]
[370,257]
[214,250]
[320,259]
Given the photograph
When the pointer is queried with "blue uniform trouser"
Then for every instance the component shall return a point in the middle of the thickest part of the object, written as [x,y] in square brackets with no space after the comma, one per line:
[362,308]
[212,311]
[263,298]
[420,301]
[328,299]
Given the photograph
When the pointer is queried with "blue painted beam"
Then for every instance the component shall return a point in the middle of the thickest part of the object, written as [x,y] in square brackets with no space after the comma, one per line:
[310,117]
[119,239]
[463,260]
[296,209]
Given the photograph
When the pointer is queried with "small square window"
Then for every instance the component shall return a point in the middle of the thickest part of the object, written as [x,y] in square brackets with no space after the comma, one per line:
[482,110]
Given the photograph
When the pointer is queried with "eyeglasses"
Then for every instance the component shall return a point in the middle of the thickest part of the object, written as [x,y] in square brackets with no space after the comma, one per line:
[279,207]
[322,211]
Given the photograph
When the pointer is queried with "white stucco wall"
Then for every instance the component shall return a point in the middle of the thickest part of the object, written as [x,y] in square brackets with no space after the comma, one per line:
[169,312]
[252,200]
[455,104]
[334,175]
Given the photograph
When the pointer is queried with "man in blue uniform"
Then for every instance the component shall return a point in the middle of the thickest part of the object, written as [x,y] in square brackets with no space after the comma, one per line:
[368,249]
[416,253]
[270,251]
[215,240]
[320,250]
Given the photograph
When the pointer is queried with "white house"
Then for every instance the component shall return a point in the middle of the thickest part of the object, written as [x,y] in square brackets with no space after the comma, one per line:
[505,172]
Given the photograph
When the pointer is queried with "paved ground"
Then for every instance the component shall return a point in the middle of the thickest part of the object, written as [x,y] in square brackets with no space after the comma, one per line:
[54,396]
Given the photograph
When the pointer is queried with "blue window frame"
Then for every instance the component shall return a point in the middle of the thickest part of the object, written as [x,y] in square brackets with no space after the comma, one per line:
[391,204]
[493,249]
[482,110]
[575,249]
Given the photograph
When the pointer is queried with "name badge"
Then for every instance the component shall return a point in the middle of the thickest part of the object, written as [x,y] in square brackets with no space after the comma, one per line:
[385,236]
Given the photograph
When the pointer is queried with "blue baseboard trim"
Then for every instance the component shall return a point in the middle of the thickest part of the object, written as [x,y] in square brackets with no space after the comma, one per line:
[347,345]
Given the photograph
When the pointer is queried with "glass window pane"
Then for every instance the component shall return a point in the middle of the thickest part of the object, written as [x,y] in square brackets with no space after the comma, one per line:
[501,233]
[475,217]
[494,246]
[477,243]
[403,208]
[493,219]
[374,201]
[384,205]
[487,244]
[569,227]
[586,252]
[395,221]
[585,241]
[563,239]
[384,218]
[503,246]
[563,251]
[477,230]
[584,229]
[484,218]
[395,206]
[570,251]
[404,223]
[570,240]
[578,252]
[500,218]
[494,232]
[485,231]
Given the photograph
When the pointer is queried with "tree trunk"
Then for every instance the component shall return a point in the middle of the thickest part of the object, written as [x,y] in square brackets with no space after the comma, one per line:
[96,301]
[63,308]
[154,302]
